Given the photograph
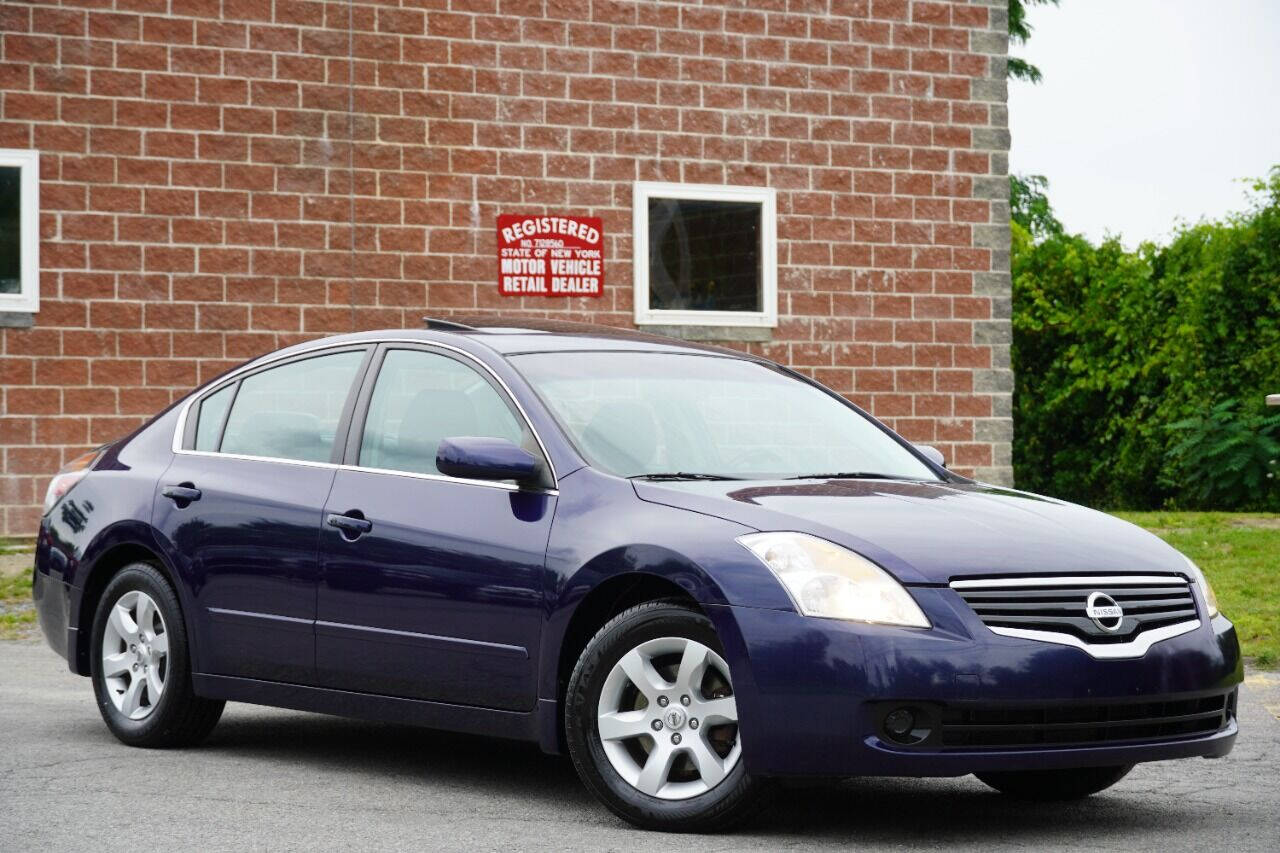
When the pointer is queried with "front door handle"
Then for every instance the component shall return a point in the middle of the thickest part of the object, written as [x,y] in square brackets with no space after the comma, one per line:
[181,493]
[351,525]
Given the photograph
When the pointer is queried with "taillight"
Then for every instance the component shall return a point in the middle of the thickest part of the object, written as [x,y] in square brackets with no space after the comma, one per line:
[66,479]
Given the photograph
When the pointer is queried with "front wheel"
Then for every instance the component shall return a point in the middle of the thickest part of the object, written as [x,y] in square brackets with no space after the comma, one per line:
[140,665]
[652,723]
[1049,785]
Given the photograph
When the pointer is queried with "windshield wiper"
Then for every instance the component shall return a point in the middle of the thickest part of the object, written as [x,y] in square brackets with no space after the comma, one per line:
[681,475]
[846,475]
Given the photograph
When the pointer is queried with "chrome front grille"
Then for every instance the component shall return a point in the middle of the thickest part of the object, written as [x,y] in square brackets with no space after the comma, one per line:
[1063,609]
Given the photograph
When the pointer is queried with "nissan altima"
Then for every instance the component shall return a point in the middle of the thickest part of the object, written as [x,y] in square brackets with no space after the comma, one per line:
[695,571]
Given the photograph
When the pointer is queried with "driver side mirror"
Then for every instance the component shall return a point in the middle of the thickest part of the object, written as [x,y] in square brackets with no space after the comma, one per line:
[479,458]
[933,454]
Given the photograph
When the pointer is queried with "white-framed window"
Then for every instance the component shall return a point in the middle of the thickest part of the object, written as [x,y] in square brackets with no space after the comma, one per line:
[19,230]
[705,255]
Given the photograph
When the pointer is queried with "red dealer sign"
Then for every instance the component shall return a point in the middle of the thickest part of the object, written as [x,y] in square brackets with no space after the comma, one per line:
[550,255]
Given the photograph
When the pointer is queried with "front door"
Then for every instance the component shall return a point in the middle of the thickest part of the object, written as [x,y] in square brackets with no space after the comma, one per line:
[431,587]
[241,507]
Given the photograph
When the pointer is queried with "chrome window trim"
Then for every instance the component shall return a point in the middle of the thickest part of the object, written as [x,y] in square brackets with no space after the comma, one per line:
[491,484]
[1045,580]
[180,428]
[245,457]
[1135,648]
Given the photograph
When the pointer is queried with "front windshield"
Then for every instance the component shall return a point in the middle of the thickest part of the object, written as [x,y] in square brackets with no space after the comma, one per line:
[653,414]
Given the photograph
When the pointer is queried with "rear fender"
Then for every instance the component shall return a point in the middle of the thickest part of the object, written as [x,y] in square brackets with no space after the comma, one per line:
[114,547]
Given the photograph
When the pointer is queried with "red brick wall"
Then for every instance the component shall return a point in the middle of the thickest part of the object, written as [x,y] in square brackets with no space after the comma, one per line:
[230,177]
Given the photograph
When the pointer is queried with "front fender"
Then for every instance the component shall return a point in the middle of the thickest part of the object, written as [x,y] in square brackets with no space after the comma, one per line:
[635,562]
[602,530]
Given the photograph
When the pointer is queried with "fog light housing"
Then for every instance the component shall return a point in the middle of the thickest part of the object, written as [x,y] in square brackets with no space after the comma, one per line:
[899,723]
[907,725]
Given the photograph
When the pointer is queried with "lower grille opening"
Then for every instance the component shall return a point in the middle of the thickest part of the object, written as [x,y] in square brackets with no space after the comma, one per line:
[988,726]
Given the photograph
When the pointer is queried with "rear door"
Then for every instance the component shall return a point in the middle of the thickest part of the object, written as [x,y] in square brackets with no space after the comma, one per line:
[241,506]
[437,593]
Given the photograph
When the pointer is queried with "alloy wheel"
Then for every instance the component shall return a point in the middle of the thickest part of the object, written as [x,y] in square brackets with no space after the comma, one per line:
[667,719]
[135,655]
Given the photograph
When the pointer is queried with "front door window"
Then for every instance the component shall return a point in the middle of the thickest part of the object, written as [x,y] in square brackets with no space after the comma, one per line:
[422,398]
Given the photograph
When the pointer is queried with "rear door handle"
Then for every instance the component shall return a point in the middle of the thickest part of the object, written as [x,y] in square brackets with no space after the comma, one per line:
[352,526]
[182,493]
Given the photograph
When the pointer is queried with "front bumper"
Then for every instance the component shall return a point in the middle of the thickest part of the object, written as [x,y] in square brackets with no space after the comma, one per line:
[812,692]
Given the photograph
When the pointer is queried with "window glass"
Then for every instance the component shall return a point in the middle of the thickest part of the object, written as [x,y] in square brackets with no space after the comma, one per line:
[292,411]
[650,413]
[421,398]
[704,255]
[10,229]
[212,410]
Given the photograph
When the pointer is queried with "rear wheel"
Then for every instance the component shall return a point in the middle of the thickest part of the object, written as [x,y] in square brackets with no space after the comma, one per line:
[1047,785]
[140,665]
[652,723]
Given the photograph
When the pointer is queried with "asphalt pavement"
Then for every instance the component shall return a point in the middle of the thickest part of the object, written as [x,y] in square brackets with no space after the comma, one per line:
[280,780]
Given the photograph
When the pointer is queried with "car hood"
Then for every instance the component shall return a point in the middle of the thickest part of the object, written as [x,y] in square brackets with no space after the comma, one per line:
[932,532]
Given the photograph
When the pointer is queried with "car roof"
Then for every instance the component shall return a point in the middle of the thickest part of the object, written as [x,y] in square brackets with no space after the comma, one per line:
[513,336]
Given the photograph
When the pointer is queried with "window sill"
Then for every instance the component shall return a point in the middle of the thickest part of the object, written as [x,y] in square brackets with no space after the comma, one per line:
[16,319]
[739,334]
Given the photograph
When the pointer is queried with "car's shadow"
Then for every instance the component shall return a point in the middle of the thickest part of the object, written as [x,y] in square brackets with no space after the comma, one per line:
[888,811]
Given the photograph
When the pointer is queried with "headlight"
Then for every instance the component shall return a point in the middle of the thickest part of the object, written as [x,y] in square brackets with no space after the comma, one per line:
[1210,599]
[831,582]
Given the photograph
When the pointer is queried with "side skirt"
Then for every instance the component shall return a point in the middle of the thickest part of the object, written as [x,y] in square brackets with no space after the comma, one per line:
[515,725]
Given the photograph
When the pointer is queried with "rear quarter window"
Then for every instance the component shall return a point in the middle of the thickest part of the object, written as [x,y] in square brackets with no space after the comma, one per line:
[213,411]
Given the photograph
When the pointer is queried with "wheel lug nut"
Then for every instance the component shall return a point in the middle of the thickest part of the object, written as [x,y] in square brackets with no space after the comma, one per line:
[663,701]
[684,700]
[132,647]
[675,738]
[693,722]
[657,725]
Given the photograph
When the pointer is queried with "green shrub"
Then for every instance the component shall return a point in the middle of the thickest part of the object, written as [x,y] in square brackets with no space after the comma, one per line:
[1226,459]
[1111,347]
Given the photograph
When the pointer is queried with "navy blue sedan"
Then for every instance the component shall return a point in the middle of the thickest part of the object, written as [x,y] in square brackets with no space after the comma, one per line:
[695,571]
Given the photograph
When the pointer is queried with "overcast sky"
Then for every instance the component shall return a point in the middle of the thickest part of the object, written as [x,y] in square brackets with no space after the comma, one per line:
[1149,111]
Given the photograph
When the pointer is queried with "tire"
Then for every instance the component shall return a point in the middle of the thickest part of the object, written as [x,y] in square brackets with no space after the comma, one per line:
[679,802]
[172,715]
[1055,785]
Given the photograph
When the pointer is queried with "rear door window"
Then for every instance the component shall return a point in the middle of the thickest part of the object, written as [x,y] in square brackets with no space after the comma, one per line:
[292,411]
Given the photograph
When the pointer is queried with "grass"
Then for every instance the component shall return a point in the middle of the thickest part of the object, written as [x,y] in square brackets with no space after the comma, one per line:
[1240,555]
[17,615]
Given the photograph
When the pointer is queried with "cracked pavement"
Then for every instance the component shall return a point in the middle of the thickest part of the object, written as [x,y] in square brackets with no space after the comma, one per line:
[269,779]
